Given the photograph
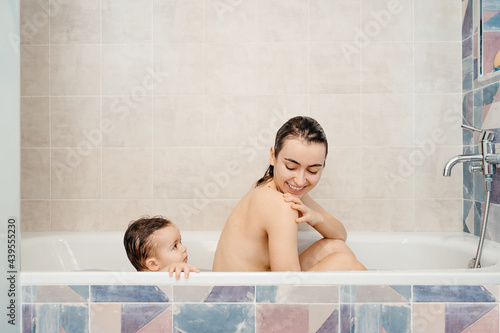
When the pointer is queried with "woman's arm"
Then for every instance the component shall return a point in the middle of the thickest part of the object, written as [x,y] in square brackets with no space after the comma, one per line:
[282,237]
[314,215]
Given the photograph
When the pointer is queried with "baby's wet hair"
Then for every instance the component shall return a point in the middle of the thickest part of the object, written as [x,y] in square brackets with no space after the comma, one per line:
[138,240]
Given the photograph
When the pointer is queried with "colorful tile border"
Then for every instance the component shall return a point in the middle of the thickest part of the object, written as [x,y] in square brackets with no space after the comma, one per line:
[214,294]
[318,309]
[112,317]
[49,294]
[452,294]
[55,318]
[297,294]
[214,318]
[480,106]
[126,293]
[379,294]
[375,318]
[444,317]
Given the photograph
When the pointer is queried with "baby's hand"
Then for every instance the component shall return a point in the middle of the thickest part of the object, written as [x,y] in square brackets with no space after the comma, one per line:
[180,267]
[306,214]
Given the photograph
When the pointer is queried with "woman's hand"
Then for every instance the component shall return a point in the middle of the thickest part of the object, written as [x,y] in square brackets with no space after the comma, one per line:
[306,214]
[180,267]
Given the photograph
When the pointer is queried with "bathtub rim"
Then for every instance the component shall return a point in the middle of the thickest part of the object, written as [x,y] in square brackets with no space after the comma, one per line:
[486,275]
[482,276]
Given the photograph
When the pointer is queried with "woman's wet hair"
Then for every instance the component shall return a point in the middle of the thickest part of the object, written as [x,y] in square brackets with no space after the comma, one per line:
[138,239]
[300,127]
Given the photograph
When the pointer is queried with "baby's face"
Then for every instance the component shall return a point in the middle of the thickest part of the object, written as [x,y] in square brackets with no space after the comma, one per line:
[169,248]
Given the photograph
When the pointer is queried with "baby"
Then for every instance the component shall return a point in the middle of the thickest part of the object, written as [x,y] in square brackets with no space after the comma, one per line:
[154,245]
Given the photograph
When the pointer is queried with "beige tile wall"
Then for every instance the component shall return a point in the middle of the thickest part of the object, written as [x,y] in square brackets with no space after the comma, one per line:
[169,107]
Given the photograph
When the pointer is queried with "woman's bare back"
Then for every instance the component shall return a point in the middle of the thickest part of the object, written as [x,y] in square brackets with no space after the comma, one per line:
[244,241]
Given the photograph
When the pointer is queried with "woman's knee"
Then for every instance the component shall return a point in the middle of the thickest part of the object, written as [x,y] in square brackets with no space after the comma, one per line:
[335,245]
[339,261]
[350,261]
[320,250]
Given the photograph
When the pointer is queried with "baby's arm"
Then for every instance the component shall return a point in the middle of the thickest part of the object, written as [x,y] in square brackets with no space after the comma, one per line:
[180,267]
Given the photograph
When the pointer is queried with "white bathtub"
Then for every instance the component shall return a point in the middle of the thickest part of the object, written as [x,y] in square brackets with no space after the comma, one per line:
[392,258]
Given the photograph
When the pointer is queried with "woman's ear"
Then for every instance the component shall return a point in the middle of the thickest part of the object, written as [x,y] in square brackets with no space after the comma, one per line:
[152,265]
[272,158]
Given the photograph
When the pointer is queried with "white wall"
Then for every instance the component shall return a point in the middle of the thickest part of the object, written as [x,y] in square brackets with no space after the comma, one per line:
[103,142]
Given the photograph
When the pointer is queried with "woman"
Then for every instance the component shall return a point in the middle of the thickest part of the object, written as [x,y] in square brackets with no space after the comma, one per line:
[261,232]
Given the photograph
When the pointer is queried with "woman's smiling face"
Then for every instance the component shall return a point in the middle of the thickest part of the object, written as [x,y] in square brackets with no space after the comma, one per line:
[298,166]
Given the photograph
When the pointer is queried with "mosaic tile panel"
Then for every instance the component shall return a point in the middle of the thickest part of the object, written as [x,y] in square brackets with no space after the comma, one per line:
[467,19]
[28,318]
[151,317]
[468,179]
[472,217]
[282,318]
[490,111]
[478,218]
[443,294]
[491,39]
[467,114]
[495,193]
[138,294]
[462,316]
[105,317]
[55,318]
[213,318]
[490,94]
[479,189]
[493,290]
[491,34]
[467,63]
[477,109]
[323,318]
[59,294]
[146,318]
[467,52]
[360,318]
[378,294]
[467,215]
[297,294]
[436,309]
[493,231]
[211,294]
[449,318]
[428,317]
[467,72]
[475,54]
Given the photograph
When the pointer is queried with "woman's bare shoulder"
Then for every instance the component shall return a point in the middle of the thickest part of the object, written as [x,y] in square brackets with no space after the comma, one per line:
[270,203]
[265,193]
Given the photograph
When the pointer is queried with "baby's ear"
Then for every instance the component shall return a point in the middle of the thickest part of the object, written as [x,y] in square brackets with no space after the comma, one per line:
[152,265]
